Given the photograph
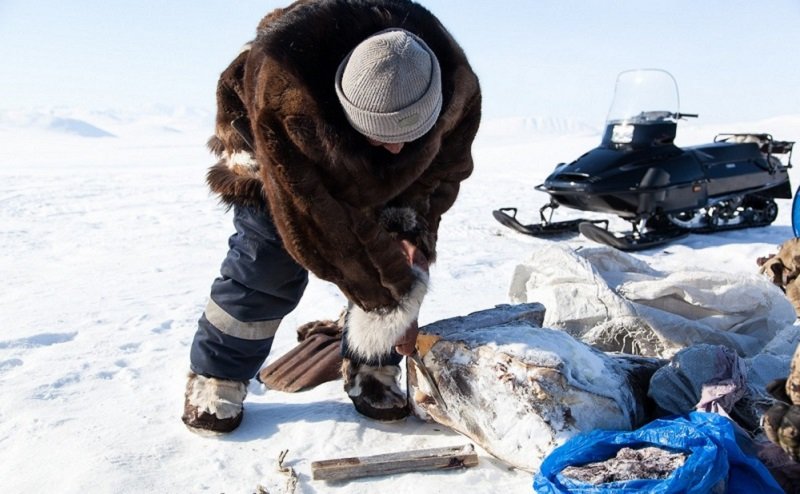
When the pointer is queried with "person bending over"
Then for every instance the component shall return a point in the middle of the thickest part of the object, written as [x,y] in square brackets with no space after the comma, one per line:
[343,131]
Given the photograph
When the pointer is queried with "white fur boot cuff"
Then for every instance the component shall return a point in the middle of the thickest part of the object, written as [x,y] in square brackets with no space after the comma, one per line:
[373,334]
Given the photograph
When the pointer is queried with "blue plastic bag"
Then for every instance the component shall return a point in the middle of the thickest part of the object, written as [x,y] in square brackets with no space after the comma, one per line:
[715,462]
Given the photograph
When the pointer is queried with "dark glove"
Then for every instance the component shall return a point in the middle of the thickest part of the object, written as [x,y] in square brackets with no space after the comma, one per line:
[330,328]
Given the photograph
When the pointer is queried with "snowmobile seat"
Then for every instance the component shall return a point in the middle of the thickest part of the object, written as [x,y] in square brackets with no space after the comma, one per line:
[719,151]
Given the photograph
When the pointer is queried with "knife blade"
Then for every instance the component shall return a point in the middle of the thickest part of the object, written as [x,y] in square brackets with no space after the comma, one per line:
[417,359]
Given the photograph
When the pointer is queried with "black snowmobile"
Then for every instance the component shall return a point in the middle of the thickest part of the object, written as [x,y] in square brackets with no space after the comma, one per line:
[664,191]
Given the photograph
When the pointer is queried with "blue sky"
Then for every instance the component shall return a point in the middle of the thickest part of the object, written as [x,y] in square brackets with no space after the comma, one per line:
[733,59]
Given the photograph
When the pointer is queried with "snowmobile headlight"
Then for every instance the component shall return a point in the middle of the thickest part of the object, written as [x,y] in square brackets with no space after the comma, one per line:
[622,134]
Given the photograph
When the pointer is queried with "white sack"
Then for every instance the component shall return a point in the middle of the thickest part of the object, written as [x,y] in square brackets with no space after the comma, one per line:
[616,302]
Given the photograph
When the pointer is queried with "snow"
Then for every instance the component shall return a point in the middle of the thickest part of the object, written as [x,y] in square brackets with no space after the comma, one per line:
[110,244]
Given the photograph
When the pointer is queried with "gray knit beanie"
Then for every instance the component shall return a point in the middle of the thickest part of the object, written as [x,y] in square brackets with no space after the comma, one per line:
[390,87]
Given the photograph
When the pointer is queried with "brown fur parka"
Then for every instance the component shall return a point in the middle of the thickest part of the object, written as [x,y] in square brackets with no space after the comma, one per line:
[340,204]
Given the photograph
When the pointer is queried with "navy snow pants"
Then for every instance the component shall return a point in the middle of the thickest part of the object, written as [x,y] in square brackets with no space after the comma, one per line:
[259,284]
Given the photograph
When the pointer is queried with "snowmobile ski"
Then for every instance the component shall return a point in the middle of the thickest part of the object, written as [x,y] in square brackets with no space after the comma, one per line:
[543,229]
[630,241]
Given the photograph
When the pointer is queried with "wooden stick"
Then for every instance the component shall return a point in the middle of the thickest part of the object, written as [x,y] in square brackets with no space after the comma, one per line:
[405,461]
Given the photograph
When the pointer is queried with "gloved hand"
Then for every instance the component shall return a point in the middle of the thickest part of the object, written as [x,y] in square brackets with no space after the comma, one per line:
[782,421]
[415,257]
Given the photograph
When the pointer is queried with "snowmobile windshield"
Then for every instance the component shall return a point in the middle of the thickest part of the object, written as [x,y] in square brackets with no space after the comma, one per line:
[644,96]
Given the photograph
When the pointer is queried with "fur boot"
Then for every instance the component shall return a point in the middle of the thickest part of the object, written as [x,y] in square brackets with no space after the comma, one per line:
[375,390]
[213,405]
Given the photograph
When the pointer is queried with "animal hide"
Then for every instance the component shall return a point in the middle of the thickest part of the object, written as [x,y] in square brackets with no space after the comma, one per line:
[783,268]
[519,390]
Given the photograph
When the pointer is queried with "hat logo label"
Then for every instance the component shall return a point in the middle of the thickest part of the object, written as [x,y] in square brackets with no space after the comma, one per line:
[408,121]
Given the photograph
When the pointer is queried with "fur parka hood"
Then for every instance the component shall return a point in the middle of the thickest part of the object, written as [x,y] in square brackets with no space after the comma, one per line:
[284,142]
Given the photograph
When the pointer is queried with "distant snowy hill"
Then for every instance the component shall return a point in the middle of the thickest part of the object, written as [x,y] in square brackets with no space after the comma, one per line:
[108,123]
[119,123]
[52,137]
[78,127]
[165,122]
[531,127]
[95,135]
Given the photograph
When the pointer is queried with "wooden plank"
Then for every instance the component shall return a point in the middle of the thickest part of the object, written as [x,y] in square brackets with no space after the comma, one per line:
[447,458]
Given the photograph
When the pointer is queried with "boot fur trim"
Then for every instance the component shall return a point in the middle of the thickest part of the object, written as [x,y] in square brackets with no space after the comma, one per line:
[219,397]
[213,405]
[375,391]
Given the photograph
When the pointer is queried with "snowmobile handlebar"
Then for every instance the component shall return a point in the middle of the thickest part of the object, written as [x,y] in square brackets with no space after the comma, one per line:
[655,116]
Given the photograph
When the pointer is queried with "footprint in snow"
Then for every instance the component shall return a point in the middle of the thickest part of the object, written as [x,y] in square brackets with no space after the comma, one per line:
[9,364]
[130,347]
[56,388]
[38,340]
[163,328]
